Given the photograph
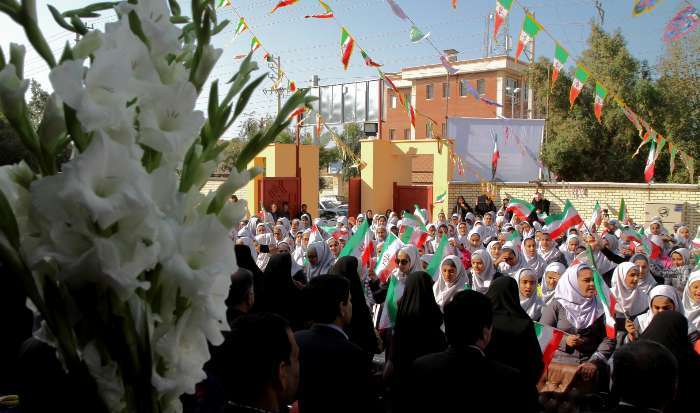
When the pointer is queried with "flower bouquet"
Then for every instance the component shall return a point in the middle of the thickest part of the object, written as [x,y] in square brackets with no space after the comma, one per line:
[125,263]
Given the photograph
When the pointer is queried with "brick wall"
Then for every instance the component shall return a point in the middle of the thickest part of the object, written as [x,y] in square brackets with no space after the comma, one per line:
[583,195]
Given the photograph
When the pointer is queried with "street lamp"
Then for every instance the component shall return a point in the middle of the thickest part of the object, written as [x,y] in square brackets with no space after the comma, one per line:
[512,94]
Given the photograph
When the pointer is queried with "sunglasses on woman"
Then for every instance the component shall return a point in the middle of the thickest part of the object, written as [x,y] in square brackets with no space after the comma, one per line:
[403,262]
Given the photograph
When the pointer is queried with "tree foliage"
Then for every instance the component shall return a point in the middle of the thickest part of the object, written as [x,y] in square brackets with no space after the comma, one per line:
[579,148]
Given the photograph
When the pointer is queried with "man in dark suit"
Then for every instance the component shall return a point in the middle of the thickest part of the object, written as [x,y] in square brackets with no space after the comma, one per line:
[335,373]
[540,203]
[644,376]
[461,378]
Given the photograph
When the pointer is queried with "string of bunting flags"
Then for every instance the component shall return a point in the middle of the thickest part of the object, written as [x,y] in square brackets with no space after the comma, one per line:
[582,76]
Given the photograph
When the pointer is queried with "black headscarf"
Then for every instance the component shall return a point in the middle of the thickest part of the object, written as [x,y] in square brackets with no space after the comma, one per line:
[505,298]
[360,330]
[244,259]
[670,328]
[281,296]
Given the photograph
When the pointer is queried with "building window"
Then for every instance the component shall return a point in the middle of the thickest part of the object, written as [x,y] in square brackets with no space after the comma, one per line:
[512,84]
[393,101]
[429,130]
[445,90]
[407,133]
[392,134]
[429,91]
[444,130]
[463,87]
[481,86]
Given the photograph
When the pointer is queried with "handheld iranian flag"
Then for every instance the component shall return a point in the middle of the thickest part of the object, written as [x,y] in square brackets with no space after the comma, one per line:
[412,220]
[242,27]
[622,212]
[355,245]
[368,60]
[580,78]
[440,252]
[527,34]
[283,3]
[316,235]
[605,296]
[327,12]
[696,240]
[414,236]
[652,246]
[411,114]
[386,261]
[420,214]
[560,58]
[495,156]
[629,234]
[346,45]
[600,93]
[254,44]
[520,208]
[559,223]
[391,303]
[441,198]
[651,160]
[597,216]
[549,339]
[502,10]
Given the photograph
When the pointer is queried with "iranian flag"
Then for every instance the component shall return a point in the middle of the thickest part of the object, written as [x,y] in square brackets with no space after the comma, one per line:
[580,78]
[283,3]
[224,3]
[696,240]
[391,303]
[346,45]
[327,12]
[316,235]
[605,296]
[559,223]
[414,236]
[527,34]
[597,216]
[622,212]
[392,85]
[242,27]
[386,261]
[420,214]
[412,220]
[411,114]
[560,58]
[495,156]
[549,339]
[502,9]
[355,245]
[368,60]
[652,248]
[440,252]
[441,198]
[629,234]
[651,161]
[520,208]
[600,93]
[254,44]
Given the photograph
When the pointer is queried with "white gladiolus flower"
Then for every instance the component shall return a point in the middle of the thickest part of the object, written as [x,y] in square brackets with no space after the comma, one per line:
[107,376]
[12,90]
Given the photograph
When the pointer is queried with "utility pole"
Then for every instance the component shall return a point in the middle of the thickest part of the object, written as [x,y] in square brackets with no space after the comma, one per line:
[276,75]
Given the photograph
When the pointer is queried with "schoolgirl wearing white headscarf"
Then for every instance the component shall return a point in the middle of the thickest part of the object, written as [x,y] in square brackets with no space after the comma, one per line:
[444,291]
[519,261]
[474,244]
[682,236]
[490,249]
[547,249]
[646,280]
[691,300]
[324,261]
[481,281]
[545,288]
[263,257]
[580,311]
[630,301]
[533,260]
[643,320]
[532,304]
[568,248]
[400,278]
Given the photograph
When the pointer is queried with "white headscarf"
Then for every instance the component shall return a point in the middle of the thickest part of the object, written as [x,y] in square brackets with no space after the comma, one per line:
[551,254]
[532,305]
[667,291]
[325,260]
[681,240]
[564,248]
[249,243]
[629,301]
[263,258]
[413,255]
[648,282]
[580,311]
[547,293]
[504,267]
[474,231]
[683,252]
[444,291]
[481,282]
[488,249]
[691,307]
[535,263]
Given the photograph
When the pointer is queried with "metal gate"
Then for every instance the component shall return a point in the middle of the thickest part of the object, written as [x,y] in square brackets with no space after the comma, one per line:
[279,190]
[406,196]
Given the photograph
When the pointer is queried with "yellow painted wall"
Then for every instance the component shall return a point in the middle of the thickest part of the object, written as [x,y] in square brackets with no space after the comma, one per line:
[309,176]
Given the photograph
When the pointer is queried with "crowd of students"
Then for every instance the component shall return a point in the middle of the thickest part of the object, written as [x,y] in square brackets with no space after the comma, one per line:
[462,338]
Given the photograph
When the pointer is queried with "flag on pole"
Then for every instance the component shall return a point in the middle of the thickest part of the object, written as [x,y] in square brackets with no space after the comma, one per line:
[412,220]
[441,198]
[520,208]
[651,160]
[327,12]
[600,93]
[414,236]
[316,235]
[622,212]
[629,234]
[597,217]
[416,35]
[651,247]
[495,156]
[605,296]
[559,223]
[440,252]
[354,246]
[527,34]
[580,78]
[392,85]
[242,27]
[386,261]
[411,114]
[283,3]
[502,10]
[346,45]
[549,339]
[368,60]
[420,214]
[254,44]
[560,58]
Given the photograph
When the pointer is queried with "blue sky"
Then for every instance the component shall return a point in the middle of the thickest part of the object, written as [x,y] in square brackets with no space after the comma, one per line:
[309,47]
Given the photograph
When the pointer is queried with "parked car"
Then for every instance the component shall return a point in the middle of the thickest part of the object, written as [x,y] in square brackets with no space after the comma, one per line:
[329,209]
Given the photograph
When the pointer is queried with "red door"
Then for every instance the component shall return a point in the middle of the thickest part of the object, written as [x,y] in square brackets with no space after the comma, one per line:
[280,190]
[407,196]
[354,196]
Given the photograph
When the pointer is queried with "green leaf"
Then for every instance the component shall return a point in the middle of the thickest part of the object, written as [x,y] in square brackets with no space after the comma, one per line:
[58,18]
[213,101]
[179,19]
[135,25]
[174,7]
[3,63]
[8,223]
[221,26]
[240,78]
[67,53]
[245,96]
[36,38]
[80,27]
